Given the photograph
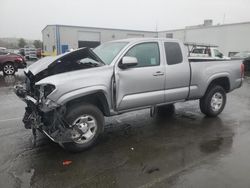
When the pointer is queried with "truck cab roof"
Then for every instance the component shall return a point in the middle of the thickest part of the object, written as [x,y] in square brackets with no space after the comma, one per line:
[146,39]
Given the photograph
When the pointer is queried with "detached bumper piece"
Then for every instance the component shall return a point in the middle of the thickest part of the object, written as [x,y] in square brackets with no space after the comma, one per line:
[21,65]
[31,118]
[27,118]
[20,92]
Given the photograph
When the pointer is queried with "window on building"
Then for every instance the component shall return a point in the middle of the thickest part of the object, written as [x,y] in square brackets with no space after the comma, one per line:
[45,47]
[147,54]
[173,53]
[169,35]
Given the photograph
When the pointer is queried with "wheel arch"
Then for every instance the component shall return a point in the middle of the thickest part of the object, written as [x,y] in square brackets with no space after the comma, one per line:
[97,98]
[221,80]
[8,62]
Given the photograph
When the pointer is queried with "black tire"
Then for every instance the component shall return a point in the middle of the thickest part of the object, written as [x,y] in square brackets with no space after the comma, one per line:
[9,69]
[75,112]
[205,102]
[165,111]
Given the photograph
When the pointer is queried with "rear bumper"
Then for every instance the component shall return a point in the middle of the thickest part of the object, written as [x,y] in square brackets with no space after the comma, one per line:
[237,84]
[21,65]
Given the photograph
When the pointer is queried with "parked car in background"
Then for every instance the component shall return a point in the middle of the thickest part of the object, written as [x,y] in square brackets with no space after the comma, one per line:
[204,52]
[30,53]
[2,49]
[245,56]
[21,52]
[10,62]
[68,95]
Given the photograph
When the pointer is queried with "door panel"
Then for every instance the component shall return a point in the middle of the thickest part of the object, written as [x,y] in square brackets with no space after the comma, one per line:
[139,87]
[177,73]
[142,85]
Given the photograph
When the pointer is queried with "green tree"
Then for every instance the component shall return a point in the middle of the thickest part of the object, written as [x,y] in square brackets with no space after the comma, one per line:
[38,43]
[21,43]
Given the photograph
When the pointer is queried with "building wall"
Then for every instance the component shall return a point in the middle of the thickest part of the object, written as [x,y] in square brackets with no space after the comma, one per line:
[70,35]
[177,34]
[49,38]
[229,38]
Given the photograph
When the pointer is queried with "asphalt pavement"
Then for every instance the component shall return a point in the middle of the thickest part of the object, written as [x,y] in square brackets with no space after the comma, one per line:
[186,150]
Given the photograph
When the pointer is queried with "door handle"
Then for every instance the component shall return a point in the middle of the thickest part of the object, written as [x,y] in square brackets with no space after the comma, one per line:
[158,73]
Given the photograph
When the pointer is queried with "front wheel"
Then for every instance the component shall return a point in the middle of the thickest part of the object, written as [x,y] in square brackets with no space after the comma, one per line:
[87,124]
[213,102]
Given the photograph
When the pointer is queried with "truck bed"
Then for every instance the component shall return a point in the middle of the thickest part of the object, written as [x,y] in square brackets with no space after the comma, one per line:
[205,71]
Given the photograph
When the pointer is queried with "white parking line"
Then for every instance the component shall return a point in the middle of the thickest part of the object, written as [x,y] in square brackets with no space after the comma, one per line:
[11,119]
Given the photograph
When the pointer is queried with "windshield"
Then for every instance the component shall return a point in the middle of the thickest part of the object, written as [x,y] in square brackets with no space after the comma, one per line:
[108,51]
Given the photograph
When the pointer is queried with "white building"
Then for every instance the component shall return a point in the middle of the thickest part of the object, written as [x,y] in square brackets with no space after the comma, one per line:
[229,37]
[61,38]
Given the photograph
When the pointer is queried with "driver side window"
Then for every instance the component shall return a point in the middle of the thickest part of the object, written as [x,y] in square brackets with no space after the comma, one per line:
[147,54]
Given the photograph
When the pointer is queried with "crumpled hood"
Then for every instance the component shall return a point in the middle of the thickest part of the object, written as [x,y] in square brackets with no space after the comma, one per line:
[85,75]
[50,62]
[41,64]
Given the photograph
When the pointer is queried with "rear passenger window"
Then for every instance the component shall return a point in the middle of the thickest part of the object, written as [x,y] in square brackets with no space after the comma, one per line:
[173,53]
[147,54]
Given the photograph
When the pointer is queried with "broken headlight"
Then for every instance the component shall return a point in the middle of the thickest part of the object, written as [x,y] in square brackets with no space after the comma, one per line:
[47,89]
[44,90]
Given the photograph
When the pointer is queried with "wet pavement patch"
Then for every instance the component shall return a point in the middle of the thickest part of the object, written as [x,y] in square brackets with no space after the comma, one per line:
[211,145]
[152,169]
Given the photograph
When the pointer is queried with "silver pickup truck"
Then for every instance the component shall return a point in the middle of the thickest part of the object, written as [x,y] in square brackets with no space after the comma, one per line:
[68,96]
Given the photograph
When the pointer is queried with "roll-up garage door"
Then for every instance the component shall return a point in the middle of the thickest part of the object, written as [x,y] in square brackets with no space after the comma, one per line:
[88,39]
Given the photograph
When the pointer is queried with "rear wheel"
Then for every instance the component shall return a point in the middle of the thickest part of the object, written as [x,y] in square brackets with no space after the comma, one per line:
[213,102]
[87,124]
[8,69]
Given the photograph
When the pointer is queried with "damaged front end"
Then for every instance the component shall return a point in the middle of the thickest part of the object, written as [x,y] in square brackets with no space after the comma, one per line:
[42,113]
[50,122]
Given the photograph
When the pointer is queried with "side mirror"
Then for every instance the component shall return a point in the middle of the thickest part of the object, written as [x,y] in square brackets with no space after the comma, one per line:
[128,62]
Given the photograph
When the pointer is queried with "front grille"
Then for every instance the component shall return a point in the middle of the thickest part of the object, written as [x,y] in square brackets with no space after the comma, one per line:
[27,84]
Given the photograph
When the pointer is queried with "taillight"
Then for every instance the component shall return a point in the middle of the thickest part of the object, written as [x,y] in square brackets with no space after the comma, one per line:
[19,59]
[242,70]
